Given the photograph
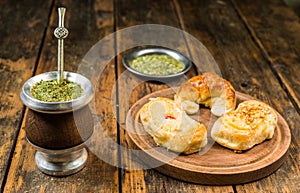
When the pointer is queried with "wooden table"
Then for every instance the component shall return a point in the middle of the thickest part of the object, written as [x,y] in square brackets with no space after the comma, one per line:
[255,44]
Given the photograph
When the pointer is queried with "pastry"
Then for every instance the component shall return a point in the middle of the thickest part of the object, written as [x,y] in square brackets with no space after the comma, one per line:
[171,127]
[250,124]
[208,89]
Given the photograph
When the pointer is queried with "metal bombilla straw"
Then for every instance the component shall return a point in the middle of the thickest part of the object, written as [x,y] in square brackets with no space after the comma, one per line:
[61,33]
[59,153]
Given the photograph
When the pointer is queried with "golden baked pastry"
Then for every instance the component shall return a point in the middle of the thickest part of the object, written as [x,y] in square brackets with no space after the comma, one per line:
[171,127]
[208,89]
[250,124]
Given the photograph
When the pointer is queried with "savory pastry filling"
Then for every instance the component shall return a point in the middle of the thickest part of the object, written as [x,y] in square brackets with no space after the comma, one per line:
[166,120]
[171,127]
[250,124]
[208,89]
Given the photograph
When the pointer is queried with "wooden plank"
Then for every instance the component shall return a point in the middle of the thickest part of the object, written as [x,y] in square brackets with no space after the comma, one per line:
[87,22]
[275,28]
[282,53]
[228,167]
[243,64]
[128,15]
[19,53]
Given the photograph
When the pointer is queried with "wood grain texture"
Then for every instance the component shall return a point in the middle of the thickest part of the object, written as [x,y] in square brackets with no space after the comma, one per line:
[59,131]
[254,44]
[214,164]
[131,89]
[87,22]
[240,59]
[282,50]
[18,56]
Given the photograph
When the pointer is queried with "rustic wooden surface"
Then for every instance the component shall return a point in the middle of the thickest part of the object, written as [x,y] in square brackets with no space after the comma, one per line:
[255,44]
[216,165]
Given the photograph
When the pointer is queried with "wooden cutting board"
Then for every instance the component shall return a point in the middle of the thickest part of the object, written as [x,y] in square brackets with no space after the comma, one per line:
[215,164]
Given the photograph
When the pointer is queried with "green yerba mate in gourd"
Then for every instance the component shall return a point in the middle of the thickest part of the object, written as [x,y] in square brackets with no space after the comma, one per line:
[52,91]
[157,65]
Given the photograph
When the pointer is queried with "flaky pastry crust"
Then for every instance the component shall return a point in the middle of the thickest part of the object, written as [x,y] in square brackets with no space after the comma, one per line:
[208,89]
[251,123]
[171,127]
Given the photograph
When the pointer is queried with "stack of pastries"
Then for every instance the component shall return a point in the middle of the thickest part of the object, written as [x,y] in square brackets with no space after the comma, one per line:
[167,121]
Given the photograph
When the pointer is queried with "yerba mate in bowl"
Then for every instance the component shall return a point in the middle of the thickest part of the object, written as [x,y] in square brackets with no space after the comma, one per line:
[35,89]
[156,63]
[53,91]
[59,120]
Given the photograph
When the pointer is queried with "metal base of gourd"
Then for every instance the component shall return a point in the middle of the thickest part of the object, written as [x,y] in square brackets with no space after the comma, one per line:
[61,162]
